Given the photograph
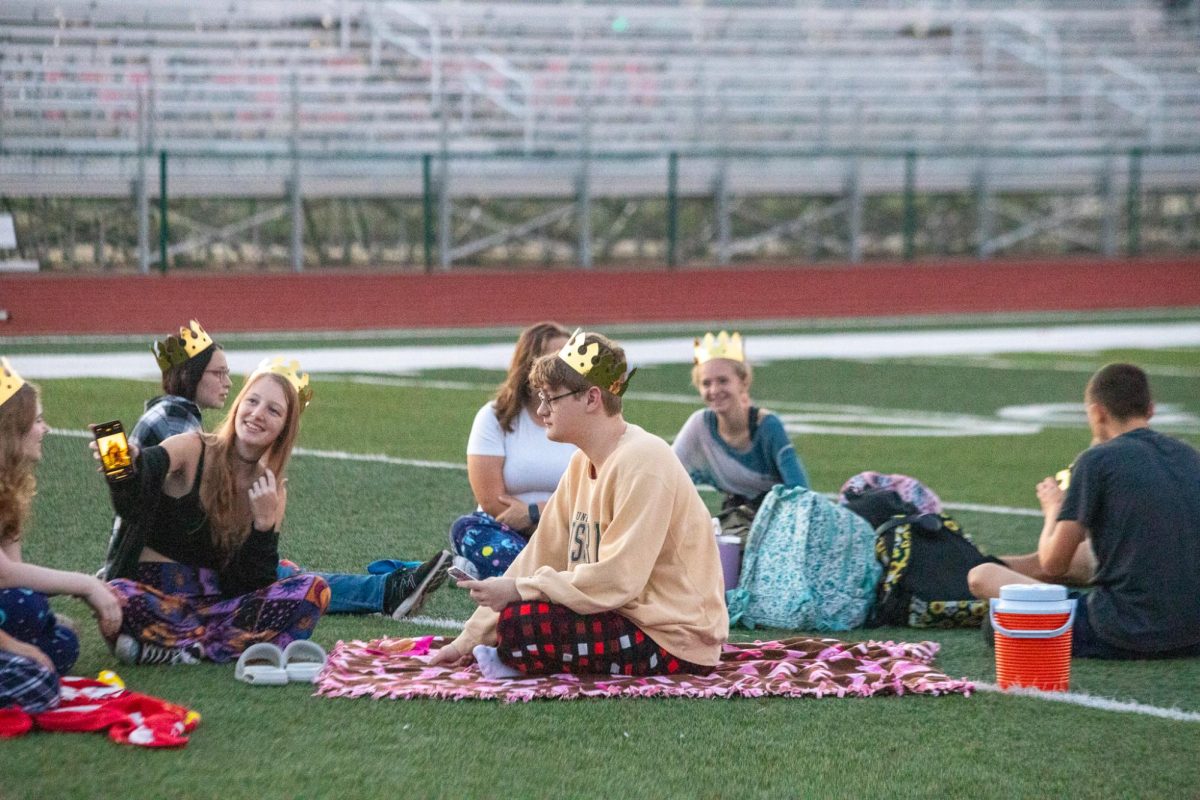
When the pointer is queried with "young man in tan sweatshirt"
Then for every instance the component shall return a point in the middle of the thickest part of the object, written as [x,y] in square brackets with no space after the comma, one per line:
[623,576]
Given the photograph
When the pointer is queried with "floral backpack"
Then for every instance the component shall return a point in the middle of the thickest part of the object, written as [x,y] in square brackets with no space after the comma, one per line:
[926,558]
[809,564]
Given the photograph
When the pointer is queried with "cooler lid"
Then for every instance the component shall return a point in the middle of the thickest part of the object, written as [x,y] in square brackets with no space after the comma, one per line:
[1033,592]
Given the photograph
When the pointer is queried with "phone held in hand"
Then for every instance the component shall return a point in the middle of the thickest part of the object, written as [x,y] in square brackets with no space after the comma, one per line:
[459,574]
[114,451]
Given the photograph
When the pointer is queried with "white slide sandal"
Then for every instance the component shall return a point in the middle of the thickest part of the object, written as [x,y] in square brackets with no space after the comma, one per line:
[303,660]
[261,665]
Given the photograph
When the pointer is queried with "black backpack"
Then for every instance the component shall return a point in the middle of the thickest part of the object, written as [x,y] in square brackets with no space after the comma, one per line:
[926,558]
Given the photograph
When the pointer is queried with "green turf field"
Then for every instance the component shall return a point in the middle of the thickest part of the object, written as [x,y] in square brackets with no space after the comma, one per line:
[281,742]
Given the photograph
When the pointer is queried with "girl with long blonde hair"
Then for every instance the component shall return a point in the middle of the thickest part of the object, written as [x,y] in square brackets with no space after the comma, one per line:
[211,506]
[731,444]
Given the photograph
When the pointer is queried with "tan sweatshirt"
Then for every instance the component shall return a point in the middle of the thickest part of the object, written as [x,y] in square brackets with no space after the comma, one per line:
[634,538]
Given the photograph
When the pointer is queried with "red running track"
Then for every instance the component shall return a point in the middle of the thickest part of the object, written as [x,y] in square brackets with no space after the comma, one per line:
[57,303]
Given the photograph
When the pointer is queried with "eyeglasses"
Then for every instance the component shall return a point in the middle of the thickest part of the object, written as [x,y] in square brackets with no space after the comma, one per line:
[542,399]
[222,374]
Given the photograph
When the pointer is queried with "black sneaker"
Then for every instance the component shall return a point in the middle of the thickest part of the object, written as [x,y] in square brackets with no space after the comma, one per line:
[407,589]
[129,650]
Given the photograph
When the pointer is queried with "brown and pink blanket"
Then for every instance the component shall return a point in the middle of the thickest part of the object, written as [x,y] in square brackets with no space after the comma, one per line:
[799,667]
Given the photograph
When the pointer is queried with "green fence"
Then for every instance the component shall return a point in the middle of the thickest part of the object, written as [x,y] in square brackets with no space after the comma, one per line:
[433,211]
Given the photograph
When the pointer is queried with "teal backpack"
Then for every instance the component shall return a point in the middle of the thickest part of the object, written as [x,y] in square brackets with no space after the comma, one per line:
[809,564]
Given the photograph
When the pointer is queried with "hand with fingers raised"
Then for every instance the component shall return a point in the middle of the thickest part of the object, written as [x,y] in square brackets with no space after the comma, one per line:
[265,501]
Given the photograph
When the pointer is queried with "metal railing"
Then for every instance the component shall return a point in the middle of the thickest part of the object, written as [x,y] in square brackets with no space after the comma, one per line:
[843,203]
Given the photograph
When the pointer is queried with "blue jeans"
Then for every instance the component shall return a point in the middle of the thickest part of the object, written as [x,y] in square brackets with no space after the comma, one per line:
[353,593]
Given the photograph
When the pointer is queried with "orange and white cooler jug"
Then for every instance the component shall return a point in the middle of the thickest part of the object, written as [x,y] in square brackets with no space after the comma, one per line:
[1032,624]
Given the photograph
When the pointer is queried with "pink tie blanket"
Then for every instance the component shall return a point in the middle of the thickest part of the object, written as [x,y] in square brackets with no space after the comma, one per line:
[87,705]
[799,667]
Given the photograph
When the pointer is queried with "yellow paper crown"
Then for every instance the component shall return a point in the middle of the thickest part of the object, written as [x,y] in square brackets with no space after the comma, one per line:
[289,370]
[175,350]
[10,381]
[721,346]
[601,371]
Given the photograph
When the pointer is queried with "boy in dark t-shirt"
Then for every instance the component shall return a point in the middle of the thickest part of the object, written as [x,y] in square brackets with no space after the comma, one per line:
[1134,497]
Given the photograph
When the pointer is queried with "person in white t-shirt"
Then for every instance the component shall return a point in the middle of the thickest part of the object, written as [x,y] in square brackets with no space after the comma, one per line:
[511,465]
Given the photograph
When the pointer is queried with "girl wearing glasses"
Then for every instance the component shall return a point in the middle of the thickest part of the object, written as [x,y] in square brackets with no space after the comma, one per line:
[195,376]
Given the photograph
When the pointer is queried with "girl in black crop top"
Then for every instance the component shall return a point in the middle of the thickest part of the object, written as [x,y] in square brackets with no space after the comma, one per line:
[211,506]
[205,498]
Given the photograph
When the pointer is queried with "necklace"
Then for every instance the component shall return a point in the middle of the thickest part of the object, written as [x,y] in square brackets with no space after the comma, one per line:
[242,458]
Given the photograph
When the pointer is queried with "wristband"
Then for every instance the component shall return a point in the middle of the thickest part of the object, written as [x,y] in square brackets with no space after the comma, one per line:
[535,515]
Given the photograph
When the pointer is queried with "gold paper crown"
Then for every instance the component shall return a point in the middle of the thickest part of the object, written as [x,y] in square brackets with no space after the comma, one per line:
[10,381]
[289,370]
[175,350]
[723,346]
[601,371]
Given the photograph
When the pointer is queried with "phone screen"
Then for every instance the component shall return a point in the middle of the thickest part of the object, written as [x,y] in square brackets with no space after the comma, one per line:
[114,451]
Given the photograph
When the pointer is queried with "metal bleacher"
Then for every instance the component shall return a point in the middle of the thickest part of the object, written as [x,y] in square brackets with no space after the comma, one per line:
[355,97]
[270,79]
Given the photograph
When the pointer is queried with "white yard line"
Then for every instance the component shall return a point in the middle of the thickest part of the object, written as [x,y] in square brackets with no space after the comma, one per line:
[336,455]
[908,322]
[378,458]
[1086,367]
[1009,510]
[406,359]
[442,623]
[1090,701]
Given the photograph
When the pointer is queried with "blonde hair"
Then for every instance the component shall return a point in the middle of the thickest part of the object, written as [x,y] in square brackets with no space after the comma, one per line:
[17,482]
[740,368]
[514,393]
[228,509]
[550,370]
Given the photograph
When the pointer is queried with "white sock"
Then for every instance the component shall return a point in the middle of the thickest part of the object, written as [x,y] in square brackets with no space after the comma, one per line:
[490,664]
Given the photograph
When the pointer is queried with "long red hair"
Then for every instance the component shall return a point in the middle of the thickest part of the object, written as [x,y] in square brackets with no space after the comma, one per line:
[228,509]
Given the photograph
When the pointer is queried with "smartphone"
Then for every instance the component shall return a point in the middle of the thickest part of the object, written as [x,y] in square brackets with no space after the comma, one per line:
[459,574]
[114,450]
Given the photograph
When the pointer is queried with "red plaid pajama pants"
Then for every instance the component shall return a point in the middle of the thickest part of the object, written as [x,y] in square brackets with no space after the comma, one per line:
[539,638]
